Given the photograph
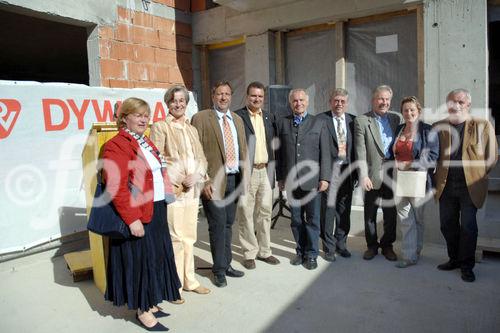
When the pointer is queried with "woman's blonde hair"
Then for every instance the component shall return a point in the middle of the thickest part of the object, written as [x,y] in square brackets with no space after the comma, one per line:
[129,106]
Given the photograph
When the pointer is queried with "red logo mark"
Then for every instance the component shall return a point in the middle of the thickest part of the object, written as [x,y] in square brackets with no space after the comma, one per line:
[9,111]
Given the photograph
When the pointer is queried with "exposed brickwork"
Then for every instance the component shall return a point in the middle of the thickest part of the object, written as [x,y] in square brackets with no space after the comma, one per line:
[146,51]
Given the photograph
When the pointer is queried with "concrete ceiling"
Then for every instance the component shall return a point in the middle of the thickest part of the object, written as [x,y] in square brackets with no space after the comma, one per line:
[251,5]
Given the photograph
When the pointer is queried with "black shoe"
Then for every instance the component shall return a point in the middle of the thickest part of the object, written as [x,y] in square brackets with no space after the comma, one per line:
[343,253]
[231,272]
[448,266]
[297,260]
[157,328]
[160,314]
[370,253]
[310,263]
[220,281]
[330,257]
[468,275]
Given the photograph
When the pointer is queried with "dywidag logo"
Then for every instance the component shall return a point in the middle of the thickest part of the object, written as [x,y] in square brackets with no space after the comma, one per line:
[9,111]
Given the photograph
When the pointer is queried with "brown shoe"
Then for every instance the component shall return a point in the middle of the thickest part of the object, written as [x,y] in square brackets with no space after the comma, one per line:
[249,264]
[201,290]
[370,254]
[271,260]
[389,254]
[178,301]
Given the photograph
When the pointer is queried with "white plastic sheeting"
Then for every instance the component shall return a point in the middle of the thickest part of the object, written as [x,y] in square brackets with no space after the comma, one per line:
[395,64]
[310,64]
[43,129]
[228,64]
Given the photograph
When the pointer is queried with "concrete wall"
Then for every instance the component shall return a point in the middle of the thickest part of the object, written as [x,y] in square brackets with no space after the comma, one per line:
[88,12]
[222,23]
[258,61]
[456,51]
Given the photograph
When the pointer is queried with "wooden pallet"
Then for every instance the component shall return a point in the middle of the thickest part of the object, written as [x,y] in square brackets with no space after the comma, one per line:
[80,265]
[486,244]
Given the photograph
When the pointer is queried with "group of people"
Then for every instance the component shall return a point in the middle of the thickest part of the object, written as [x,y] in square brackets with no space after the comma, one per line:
[232,160]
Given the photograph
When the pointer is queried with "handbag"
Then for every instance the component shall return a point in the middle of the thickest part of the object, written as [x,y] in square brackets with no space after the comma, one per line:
[411,183]
[103,218]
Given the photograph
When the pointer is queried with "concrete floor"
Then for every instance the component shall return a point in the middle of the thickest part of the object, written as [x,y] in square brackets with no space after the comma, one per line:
[350,295]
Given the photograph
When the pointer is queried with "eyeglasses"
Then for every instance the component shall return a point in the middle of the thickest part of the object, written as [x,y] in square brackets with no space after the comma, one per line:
[140,115]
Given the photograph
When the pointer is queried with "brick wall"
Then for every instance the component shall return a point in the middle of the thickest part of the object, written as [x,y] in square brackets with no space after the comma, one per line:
[146,51]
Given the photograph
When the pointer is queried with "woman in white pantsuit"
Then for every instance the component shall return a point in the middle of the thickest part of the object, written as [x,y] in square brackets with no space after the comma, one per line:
[415,148]
[178,141]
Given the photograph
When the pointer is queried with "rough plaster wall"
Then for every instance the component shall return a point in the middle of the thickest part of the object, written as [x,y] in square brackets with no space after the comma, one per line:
[455,52]
[257,66]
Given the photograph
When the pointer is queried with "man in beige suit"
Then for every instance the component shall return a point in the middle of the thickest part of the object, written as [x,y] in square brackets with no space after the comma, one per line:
[222,136]
[373,135]
[468,152]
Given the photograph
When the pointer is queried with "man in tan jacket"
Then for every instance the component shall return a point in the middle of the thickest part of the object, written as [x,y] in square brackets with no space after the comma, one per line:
[222,135]
[468,152]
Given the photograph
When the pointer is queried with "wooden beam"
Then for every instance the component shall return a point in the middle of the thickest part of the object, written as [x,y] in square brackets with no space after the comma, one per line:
[381,17]
[312,28]
[205,77]
[229,43]
[279,56]
[340,70]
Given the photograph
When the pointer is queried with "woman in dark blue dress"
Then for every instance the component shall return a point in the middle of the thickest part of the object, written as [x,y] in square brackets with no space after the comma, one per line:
[141,270]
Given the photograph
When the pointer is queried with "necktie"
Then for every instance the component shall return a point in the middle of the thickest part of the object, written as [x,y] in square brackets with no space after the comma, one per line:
[340,131]
[297,120]
[228,139]
[341,138]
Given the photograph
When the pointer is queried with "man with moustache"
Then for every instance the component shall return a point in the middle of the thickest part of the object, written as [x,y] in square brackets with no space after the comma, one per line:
[222,135]
[373,135]
[303,169]
[255,207]
[468,152]
[336,202]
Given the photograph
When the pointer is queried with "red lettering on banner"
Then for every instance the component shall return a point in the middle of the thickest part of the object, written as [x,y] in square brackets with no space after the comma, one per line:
[159,113]
[47,104]
[8,116]
[51,107]
[79,112]
[107,111]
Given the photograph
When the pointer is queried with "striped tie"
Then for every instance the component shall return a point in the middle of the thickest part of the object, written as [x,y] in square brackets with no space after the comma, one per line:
[228,139]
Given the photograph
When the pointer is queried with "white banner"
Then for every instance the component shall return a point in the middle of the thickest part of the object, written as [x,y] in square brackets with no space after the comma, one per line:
[43,129]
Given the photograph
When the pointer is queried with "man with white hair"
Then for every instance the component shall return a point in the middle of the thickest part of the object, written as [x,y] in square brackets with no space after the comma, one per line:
[303,169]
[468,152]
[373,136]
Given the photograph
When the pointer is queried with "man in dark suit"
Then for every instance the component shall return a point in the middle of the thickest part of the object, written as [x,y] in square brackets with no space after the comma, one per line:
[255,207]
[373,135]
[303,169]
[222,135]
[336,202]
